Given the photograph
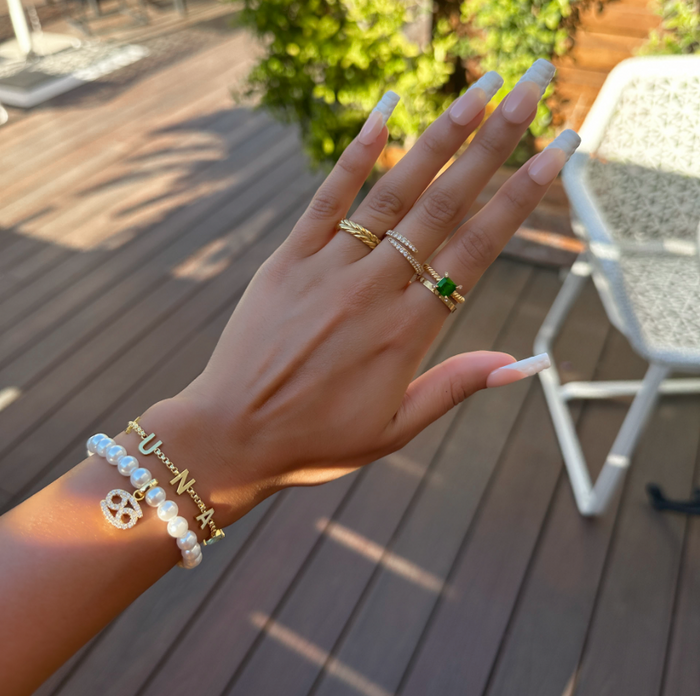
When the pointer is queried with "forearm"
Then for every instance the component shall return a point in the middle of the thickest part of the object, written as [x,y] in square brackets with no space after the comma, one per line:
[67,572]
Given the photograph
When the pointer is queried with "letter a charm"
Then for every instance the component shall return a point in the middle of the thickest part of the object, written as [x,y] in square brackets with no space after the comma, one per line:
[121,509]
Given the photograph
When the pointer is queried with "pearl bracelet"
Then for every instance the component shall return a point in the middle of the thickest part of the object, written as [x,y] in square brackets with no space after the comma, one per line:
[148,490]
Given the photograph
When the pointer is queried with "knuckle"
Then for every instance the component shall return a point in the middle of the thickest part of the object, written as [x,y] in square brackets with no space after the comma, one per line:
[350,163]
[386,202]
[517,199]
[325,205]
[431,144]
[457,392]
[491,145]
[439,209]
[475,248]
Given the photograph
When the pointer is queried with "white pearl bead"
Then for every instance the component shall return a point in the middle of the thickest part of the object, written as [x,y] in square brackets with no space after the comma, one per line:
[103,445]
[187,541]
[191,564]
[93,441]
[127,465]
[140,477]
[177,527]
[167,510]
[191,554]
[114,454]
[155,496]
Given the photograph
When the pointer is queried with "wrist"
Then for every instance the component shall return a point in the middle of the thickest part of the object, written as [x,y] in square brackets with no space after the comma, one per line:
[194,443]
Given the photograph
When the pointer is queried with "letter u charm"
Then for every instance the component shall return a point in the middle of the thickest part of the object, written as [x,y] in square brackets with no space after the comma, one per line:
[145,441]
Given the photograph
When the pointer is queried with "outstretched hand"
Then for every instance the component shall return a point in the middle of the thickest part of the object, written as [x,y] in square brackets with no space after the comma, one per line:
[313,376]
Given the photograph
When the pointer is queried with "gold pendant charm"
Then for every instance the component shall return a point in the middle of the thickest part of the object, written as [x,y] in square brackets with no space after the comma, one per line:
[121,509]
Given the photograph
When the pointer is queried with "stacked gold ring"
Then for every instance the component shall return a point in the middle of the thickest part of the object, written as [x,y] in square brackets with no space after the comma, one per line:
[359,232]
[432,287]
[445,284]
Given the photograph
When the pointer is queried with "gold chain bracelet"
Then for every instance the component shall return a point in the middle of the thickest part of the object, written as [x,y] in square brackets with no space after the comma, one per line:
[206,516]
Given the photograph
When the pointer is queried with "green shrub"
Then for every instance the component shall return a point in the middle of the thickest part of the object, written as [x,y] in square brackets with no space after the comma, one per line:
[328,62]
[511,34]
[680,29]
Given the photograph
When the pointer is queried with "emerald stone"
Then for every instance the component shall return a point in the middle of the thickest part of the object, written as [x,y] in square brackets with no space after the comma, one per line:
[446,286]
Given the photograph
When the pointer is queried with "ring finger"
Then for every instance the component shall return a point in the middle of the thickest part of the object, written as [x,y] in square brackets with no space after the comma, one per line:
[477,243]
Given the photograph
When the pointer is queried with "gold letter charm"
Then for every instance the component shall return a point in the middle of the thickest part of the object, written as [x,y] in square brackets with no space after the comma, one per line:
[183,484]
[121,509]
[205,517]
[145,441]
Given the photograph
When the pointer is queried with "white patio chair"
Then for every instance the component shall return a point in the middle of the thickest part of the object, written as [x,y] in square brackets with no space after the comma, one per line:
[634,188]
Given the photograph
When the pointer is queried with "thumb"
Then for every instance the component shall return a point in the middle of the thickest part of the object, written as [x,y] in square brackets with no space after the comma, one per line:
[441,388]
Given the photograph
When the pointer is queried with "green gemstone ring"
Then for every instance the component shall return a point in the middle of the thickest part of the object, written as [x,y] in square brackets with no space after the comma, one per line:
[445,286]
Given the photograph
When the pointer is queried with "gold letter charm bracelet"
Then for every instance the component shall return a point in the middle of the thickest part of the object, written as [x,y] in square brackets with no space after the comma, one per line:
[180,478]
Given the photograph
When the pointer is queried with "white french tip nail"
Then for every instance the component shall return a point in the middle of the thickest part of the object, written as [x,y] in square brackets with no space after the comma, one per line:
[387,104]
[490,83]
[540,72]
[567,141]
[530,366]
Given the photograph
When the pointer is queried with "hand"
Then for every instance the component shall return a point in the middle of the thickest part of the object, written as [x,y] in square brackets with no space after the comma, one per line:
[312,377]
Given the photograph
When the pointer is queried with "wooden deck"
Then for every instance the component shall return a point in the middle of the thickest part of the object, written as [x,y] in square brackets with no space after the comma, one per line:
[134,212]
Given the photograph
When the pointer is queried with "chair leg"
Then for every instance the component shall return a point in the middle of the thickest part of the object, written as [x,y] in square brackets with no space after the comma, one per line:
[590,499]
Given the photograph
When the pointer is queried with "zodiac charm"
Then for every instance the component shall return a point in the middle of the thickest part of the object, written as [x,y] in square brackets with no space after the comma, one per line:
[120,507]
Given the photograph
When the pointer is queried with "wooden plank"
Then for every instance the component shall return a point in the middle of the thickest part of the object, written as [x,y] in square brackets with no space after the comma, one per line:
[546,634]
[626,644]
[622,18]
[83,210]
[137,357]
[320,603]
[162,89]
[64,359]
[462,639]
[61,176]
[682,669]
[151,254]
[383,632]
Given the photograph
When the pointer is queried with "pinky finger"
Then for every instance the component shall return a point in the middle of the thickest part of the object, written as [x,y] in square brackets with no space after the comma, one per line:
[335,196]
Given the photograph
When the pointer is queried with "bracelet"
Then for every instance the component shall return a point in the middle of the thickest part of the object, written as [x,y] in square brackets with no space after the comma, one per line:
[148,490]
[180,477]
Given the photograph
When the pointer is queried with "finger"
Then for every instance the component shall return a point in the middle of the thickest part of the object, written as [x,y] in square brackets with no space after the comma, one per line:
[477,243]
[335,196]
[441,388]
[447,200]
[397,191]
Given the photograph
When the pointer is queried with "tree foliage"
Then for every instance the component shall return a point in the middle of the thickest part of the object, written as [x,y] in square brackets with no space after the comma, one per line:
[328,62]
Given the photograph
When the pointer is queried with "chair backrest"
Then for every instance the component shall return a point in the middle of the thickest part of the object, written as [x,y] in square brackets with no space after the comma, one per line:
[634,183]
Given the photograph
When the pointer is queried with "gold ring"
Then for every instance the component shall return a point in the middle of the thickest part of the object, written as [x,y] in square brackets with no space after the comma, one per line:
[359,232]
[417,268]
[431,286]
[445,285]
[400,238]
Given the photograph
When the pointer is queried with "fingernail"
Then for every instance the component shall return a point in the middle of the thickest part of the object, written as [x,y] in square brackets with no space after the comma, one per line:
[526,94]
[372,128]
[386,105]
[464,109]
[378,117]
[549,162]
[518,370]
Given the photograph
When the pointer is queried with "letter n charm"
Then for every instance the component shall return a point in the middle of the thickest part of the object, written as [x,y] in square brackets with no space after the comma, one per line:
[145,441]
[182,483]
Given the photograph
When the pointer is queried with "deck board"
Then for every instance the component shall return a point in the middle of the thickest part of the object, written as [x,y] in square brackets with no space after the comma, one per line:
[545,637]
[140,207]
